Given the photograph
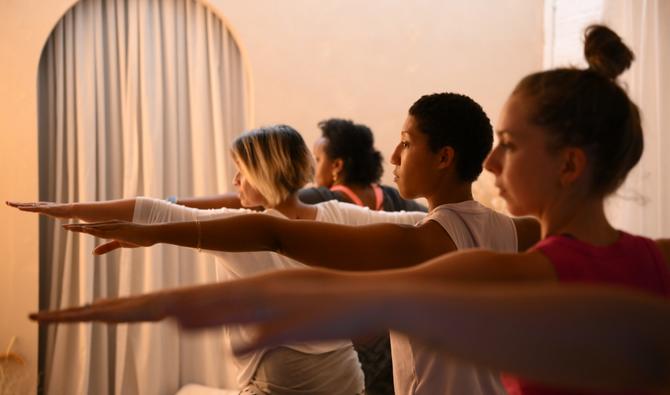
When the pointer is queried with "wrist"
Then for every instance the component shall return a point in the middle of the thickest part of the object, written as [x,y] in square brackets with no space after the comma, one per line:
[153,233]
[72,210]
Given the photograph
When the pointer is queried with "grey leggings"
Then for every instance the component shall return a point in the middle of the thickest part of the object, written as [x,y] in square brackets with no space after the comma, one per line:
[284,371]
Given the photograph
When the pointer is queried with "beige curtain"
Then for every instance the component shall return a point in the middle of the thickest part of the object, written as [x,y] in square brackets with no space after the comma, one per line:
[642,205]
[136,97]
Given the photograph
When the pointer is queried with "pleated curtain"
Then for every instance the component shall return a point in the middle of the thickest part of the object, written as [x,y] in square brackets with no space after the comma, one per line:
[136,97]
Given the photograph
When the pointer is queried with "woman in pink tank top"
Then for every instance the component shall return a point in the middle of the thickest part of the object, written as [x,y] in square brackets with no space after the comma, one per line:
[567,139]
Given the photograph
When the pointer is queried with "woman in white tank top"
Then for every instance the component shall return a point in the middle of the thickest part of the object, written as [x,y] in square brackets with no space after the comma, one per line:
[442,145]
[273,164]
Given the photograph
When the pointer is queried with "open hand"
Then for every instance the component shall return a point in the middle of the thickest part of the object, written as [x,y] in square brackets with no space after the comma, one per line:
[124,234]
[56,210]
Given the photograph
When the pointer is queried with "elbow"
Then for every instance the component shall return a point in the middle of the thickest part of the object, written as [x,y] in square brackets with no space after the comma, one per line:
[273,237]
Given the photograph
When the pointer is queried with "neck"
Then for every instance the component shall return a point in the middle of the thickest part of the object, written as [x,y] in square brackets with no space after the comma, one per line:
[455,193]
[585,221]
[292,207]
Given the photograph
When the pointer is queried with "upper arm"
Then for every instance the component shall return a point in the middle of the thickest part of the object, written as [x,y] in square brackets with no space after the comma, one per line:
[151,211]
[664,246]
[487,266]
[527,231]
[371,247]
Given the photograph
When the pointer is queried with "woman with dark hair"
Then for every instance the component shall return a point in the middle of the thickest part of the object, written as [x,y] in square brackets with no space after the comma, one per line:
[348,169]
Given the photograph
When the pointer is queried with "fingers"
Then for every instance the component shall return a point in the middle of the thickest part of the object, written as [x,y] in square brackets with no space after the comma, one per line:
[99,229]
[107,247]
[26,206]
[11,203]
[143,308]
[275,333]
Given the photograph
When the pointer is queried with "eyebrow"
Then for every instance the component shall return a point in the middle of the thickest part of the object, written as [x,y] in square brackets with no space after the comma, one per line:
[500,133]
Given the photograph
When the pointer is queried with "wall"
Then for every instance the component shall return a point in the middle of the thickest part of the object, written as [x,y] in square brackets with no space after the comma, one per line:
[371,60]
[309,60]
[24,27]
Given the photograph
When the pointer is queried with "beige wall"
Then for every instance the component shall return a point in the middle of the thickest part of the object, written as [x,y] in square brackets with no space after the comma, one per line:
[369,60]
[365,60]
[24,27]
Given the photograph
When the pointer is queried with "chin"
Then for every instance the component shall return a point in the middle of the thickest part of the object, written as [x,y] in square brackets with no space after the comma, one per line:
[517,211]
[407,194]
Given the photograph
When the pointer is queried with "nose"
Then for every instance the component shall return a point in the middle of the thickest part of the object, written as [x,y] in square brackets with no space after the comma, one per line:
[492,162]
[395,157]
[236,179]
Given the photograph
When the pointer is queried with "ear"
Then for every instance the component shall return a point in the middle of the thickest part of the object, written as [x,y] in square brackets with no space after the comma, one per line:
[574,162]
[445,156]
[337,165]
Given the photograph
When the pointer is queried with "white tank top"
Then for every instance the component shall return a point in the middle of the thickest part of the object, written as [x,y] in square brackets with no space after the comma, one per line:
[239,265]
[417,368]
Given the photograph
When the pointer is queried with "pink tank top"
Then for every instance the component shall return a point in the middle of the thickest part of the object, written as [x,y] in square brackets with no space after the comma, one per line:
[379,195]
[632,261]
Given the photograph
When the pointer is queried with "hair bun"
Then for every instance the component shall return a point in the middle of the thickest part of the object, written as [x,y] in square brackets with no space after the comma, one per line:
[605,52]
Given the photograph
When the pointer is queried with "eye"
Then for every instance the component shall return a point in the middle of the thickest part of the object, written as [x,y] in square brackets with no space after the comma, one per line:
[404,144]
[505,145]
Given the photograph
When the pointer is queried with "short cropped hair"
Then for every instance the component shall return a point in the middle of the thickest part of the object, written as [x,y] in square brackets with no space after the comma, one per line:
[457,121]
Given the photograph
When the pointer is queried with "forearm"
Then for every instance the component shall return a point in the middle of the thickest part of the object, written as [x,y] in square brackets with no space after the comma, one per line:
[242,233]
[314,243]
[550,334]
[121,209]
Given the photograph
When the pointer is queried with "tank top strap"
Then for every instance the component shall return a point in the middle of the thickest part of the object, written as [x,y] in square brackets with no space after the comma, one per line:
[379,196]
[350,194]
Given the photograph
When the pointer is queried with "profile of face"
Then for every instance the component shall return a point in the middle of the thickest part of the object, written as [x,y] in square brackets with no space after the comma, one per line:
[324,165]
[328,170]
[415,170]
[249,196]
[527,172]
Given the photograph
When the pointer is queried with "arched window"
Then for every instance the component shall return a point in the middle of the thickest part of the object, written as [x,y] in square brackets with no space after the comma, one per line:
[136,98]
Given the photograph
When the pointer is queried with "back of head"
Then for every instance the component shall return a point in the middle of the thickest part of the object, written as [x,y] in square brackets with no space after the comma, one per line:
[455,120]
[275,160]
[588,109]
[354,144]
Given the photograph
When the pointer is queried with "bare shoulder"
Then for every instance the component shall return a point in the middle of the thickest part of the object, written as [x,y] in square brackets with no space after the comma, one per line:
[434,237]
[664,246]
[527,231]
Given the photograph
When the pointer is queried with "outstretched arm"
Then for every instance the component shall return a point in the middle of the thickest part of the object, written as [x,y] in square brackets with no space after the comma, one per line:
[379,246]
[548,333]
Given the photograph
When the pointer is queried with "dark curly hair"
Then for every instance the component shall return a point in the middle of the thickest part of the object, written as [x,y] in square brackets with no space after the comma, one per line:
[354,144]
[588,109]
[457,121]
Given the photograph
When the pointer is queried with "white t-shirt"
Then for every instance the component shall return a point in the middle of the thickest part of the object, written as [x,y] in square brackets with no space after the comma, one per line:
[244,264]
[417,368]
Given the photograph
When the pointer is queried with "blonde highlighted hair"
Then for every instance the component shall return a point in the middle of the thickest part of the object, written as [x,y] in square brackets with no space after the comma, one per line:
[275,160]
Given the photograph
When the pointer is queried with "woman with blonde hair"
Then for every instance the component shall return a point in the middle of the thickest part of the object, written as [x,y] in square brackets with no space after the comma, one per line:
[273,164]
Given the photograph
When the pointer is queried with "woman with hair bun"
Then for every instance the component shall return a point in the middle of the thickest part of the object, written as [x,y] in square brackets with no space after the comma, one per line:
[567,139]
[348,169]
